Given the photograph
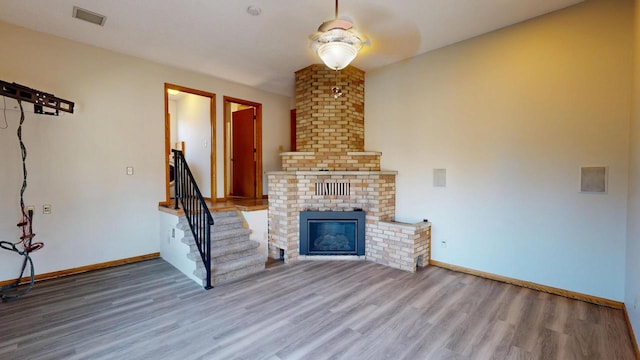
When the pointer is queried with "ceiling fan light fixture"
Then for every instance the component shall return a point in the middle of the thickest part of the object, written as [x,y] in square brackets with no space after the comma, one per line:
[337,55]
[336,42]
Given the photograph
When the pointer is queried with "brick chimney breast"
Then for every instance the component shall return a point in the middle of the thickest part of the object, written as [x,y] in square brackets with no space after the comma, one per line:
[325,124]
[330,130]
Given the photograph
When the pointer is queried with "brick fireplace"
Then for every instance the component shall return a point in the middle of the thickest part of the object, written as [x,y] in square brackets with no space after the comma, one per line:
[331,171]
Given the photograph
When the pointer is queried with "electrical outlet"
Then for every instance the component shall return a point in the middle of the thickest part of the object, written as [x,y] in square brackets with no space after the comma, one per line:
[173,232]
[46,209]
[443,244]
[31,208]
[635,302]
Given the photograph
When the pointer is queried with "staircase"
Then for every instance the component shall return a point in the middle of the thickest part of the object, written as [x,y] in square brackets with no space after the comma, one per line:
[233,254]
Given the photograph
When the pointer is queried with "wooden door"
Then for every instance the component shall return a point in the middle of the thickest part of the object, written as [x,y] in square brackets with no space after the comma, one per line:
[292,115]
[243,153]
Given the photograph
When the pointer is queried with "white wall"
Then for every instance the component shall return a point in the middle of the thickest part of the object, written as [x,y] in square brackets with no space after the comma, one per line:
[194,128]
[173,123]
[632,285]
[258,222]
[172,249]
[77,162]
[512,115]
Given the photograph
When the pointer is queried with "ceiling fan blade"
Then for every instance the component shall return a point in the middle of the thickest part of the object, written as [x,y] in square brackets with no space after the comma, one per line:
[335,24]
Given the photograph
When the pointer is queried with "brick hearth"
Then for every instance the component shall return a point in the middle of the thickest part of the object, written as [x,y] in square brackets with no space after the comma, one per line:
[330,137]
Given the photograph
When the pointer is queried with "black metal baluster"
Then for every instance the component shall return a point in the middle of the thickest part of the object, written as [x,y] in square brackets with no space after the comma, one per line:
[208,246]
[195,209]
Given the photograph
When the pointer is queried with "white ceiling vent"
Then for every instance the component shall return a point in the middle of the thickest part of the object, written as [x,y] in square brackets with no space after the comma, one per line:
[90,16]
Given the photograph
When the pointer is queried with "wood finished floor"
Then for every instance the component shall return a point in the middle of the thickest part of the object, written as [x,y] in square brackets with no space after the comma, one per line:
[306,310]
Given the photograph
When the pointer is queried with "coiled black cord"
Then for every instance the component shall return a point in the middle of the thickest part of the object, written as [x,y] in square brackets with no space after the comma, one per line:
[12,291]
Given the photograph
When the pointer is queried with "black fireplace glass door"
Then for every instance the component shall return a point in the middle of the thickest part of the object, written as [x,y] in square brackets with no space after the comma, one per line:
[332,232]
[332,237]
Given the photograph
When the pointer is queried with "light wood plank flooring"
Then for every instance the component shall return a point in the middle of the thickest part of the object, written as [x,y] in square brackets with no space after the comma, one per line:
[306,310]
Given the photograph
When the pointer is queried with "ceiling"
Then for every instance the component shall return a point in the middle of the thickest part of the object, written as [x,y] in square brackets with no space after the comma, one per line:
[220,38]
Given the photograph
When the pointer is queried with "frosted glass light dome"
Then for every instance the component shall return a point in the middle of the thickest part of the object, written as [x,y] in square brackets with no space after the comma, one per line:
[337,55]
[337,47]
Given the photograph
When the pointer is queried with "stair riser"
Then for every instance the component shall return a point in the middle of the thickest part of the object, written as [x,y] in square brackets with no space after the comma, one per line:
[217,243]
[221,258]
[215,215]
[219,271]
[216,228]
[224,213]
[227,220]
[217,218]
[249,247]
[236,275]
[226,227]
[226,267]
[232,256]
[218,278]
[219,235]
[245,244]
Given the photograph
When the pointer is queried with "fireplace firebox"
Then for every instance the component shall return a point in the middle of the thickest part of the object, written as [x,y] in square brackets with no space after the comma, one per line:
[332,232]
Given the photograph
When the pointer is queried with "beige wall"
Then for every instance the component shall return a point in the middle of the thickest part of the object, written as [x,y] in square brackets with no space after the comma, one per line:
[632,289]
[77,162]
[194,128]
[512,115]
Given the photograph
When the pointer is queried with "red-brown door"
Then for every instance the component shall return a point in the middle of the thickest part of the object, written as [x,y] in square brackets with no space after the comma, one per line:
[243,153]
[292,114]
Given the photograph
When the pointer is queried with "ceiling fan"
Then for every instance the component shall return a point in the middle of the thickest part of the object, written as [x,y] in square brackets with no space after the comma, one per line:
[337,43]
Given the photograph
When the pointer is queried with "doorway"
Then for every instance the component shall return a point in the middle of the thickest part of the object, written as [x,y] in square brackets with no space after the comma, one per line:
[243,148]
[190,127]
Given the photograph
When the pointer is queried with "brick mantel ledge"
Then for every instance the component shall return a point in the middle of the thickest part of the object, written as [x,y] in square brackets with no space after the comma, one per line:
[350,153]
[331,161]
[331,173]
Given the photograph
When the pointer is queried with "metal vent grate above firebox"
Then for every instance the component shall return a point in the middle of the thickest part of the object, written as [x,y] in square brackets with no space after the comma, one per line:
[333,189]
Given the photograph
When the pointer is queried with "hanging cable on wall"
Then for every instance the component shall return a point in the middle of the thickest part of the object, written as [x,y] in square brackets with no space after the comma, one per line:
[46,104]
[4,112]
[25,245]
